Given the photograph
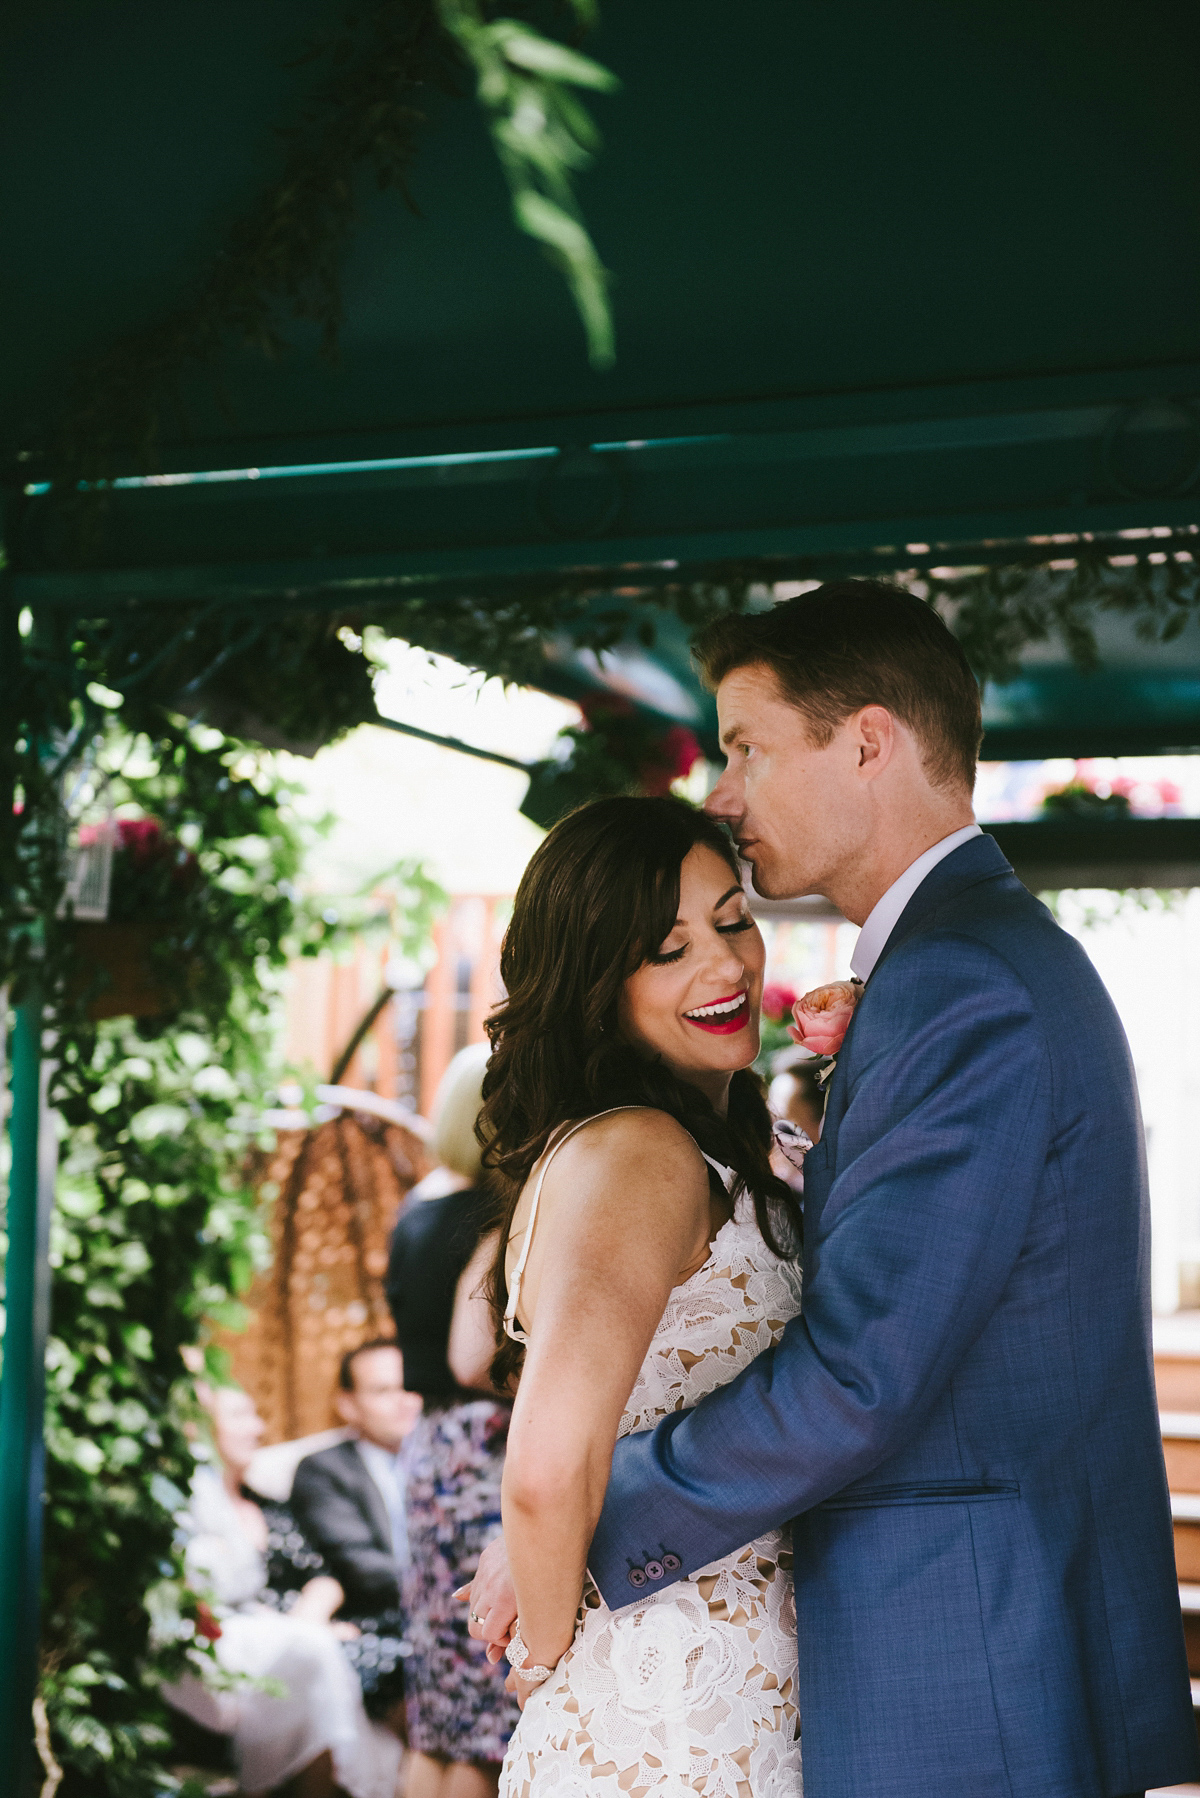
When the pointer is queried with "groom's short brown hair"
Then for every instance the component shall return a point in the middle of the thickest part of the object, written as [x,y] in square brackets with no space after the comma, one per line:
[851,644]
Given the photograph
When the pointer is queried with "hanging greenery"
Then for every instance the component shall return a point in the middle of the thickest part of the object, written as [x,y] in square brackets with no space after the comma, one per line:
[615,750]
[544,137]
[155,1230]
[1057,592]
[508,633]
[282,258]
[300,678]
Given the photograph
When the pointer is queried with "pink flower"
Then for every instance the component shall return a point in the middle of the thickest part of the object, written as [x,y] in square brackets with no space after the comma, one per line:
[141,838]
[823,1016]
[777,1002]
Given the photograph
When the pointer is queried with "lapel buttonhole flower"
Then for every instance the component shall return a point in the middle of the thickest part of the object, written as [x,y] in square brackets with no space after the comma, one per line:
[823,1016]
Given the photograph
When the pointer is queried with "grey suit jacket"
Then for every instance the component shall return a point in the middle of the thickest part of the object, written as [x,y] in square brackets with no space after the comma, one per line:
[341,1511]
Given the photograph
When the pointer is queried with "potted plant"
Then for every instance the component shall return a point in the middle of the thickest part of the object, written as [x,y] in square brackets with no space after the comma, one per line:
[127,967]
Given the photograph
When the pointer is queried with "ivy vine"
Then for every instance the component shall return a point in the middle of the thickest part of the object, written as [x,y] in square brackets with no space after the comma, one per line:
[155,1229]
[282,257]
[544,137]
[1058,592]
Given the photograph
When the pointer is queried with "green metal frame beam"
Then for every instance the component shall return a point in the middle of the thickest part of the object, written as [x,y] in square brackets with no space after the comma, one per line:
[1117,852]
[788,481]
[22,1393]
[347,581]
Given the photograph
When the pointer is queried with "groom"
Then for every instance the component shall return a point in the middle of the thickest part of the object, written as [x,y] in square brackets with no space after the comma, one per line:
[962,1424]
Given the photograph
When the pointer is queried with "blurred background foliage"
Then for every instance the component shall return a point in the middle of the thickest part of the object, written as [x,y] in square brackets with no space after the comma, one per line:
[157,1231]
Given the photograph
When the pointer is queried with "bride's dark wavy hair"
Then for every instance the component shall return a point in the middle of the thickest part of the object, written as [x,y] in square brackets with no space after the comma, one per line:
[596,901]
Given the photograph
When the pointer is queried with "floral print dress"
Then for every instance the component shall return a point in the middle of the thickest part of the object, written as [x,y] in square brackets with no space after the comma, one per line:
[457,1705]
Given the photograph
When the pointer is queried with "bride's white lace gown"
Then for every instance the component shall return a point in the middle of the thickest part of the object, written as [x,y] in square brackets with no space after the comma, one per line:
[692,1691]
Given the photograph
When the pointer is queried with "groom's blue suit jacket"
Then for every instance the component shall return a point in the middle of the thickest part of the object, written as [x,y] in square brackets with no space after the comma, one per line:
[963,1422]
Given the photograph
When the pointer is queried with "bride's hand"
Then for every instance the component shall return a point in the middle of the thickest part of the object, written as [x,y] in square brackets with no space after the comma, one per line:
[521,1690]
[492,1600]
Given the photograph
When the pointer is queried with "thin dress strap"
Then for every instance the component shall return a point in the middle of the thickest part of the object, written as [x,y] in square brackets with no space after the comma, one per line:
[511,1326]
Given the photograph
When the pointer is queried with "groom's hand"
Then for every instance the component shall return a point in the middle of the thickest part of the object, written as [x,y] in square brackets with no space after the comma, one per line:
[492,1601]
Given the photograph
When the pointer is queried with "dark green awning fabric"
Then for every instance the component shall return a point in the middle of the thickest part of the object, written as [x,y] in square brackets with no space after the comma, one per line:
[884,278]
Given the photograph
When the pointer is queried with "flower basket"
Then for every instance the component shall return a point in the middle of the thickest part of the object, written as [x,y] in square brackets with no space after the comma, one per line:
[118,971]
[120,974]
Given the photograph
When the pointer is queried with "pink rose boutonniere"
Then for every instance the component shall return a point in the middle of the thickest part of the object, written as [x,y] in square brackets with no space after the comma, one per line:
[823,1017]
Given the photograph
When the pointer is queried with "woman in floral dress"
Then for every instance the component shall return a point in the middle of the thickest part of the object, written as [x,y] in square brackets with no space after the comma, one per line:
[459,1716]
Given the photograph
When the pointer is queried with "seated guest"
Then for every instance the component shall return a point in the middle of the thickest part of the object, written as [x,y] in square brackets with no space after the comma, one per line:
[349,1500]
[307,1730]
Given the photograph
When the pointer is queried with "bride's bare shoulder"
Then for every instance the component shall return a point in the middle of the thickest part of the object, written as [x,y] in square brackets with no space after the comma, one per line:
[636,1140]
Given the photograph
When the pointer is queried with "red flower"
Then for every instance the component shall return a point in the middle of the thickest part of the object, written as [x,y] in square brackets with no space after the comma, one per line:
[206,1624]
[141,837]
[145,844]
[675,755]
[777,1002]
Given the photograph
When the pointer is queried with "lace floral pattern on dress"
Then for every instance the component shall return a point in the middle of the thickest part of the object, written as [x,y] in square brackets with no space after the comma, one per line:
[691,1692]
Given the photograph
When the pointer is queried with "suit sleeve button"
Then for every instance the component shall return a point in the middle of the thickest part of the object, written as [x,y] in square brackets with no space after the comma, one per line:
[654,1570]
[671,1563]
[637,1577]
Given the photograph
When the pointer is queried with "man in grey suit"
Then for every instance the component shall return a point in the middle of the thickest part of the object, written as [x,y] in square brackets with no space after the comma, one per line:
[349,1500]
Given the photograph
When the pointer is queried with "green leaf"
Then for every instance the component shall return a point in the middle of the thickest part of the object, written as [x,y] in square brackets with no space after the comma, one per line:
[541,55]
[138,1341]
[542,136]
[229,1315]
[541,218]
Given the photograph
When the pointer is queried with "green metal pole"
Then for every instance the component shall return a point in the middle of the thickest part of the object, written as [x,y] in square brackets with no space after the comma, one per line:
[22,1393]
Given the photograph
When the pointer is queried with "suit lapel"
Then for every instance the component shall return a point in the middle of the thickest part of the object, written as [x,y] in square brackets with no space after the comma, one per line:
[978,860]
[359,1476]
[971,863]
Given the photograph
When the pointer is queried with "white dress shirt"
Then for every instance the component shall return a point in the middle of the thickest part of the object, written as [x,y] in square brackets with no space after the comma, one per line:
[390,1473]
[885,915]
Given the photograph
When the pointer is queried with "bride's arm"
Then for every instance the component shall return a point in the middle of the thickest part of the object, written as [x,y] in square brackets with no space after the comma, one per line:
[625,1212]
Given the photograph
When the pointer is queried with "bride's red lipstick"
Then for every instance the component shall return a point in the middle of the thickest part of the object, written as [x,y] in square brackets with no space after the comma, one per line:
[724,1023]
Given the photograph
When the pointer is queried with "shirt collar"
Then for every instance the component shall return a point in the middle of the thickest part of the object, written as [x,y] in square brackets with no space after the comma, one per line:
[375,1456]
[885,915]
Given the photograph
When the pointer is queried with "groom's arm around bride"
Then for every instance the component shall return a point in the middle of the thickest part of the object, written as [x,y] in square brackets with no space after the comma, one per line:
[963,1420]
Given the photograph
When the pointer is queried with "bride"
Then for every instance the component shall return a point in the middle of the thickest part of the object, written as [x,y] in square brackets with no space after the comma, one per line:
[646,1254]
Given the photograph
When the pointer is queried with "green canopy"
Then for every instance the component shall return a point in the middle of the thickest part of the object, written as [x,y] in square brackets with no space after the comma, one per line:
[882,277]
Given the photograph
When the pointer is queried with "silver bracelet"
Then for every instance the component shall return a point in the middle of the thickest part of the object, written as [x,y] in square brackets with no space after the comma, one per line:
[516,1653]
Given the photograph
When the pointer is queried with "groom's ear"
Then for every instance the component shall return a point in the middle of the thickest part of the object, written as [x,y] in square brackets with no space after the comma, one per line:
[875,736]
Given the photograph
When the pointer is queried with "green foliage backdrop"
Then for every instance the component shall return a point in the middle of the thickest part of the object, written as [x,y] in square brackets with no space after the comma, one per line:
[156,1231]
